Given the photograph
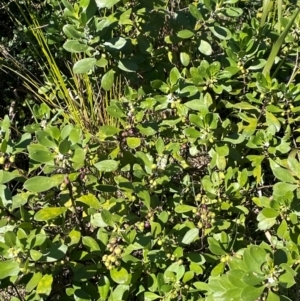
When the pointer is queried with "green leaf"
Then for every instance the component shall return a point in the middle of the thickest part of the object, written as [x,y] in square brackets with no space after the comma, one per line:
[282,230]
[74,236]
[108,131]
[45,285]
[191,132]
[41,183]
[64,146]
[184,208]
[265,223]
[195,12]
[281,173]
[160,145]
[119,275]
[106,3]
[40,153]
[107,217]
[10,238]
[8,268]
[119,291]
[133,142]
[286,280]
[217,271]
[174,76]
[163,217]
[127,65]
[56,252]
[33,282]
[148,296]
[116,43]
[78,156]
[272,122]
[115,111]
[190,236]
[202,286]
[205,48]
[254,257]
[160,85]
[185,58]
[107,80]
[103,287]
[107,165]
[215,247]
[74,46]
[147,129]
[273,297]
[270,213]
[251,293]
[220,32]
[294,166]
[46,214]
[84,65]
[185,34]
[71,32]
[90,243]
[67,5]
[90,200]
[6,176]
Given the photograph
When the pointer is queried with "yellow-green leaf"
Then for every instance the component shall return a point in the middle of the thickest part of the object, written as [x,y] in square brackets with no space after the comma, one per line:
[90,200]
[46,214]
[45,285]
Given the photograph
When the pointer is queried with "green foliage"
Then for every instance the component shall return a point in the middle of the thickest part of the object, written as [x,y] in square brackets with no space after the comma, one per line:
[193,192]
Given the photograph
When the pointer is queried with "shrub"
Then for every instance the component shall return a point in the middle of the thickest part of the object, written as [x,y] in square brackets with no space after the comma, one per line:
[193,195]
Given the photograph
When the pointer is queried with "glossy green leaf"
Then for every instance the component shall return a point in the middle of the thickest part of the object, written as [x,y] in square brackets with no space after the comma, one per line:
[190,236]
[107,165]
[40,153]
[71,32]
[220,32]
[133,142]
[127,66]
[34,281]
[8,268]
[116,43]
[205,48]
[184,208]
[45,285]
[185,59]
[49,213]
[185,34]
[6,176]
[75,46]
[107,80]
[195,12]
[251,293]
[106,3]
[104,287]
[107,217]
[148,296]
[84,65]
[215,247]
[90,243]
[119,275]
[281,173]
[41,183]
[90,200]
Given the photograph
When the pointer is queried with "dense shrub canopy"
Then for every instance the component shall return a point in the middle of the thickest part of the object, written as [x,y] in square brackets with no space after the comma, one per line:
[162,163]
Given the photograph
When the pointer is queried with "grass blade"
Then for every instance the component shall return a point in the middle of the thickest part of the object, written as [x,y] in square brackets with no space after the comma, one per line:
[276,47]
[265,12]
